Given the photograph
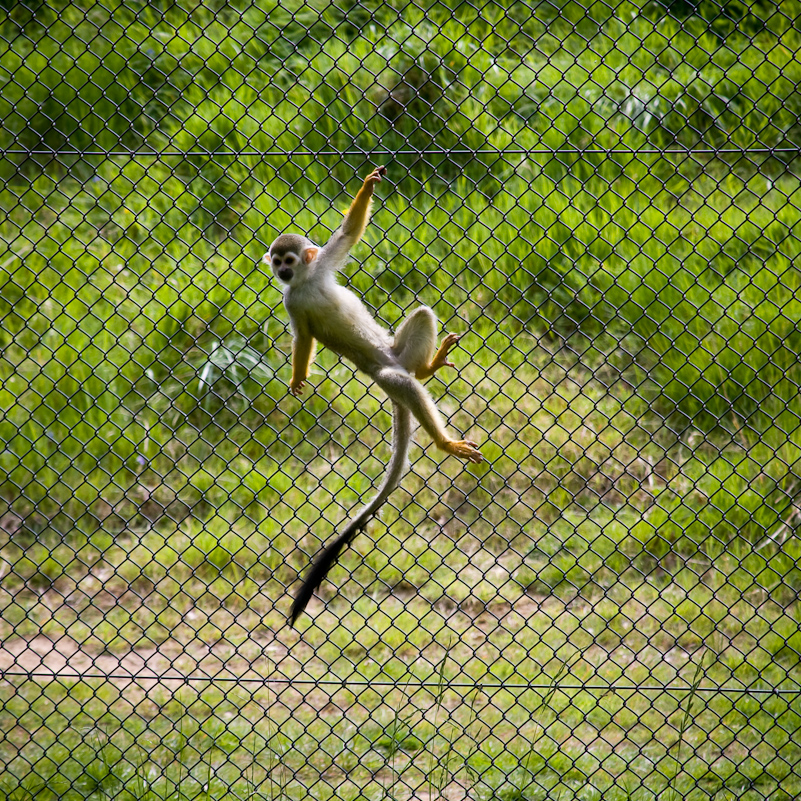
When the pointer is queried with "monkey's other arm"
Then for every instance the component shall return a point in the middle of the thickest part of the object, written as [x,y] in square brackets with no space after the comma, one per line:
[302,357]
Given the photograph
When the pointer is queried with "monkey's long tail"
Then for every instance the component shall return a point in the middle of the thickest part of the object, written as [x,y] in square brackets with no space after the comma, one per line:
[401,436]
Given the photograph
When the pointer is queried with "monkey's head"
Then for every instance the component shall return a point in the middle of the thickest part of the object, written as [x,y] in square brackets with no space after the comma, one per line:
[290,256]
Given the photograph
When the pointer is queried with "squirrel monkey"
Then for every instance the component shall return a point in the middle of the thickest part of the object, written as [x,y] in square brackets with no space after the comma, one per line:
[320,310]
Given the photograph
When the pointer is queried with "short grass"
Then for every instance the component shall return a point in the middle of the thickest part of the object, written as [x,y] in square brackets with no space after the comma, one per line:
[607,608]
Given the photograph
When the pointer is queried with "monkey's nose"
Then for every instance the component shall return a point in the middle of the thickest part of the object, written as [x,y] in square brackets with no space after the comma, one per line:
[285,274]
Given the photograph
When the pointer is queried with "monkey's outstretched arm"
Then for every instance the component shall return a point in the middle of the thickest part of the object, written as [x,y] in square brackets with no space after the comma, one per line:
[335,252]
[302,357]
[358,214]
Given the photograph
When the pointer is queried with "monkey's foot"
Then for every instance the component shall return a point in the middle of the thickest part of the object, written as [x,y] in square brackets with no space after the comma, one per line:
[464,449]
[440,357]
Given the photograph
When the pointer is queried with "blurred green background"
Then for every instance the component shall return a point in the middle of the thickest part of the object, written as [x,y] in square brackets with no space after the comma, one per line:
[604,198]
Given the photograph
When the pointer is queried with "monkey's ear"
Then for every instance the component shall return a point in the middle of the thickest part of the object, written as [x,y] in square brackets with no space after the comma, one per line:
[310,254]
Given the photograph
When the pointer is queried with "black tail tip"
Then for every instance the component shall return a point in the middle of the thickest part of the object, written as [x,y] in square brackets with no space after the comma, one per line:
[299,605]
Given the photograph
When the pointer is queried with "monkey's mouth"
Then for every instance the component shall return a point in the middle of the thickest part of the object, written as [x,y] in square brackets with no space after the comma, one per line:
[285,274]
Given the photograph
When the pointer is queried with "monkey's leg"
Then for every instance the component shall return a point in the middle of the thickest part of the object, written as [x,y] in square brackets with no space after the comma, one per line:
[416,339]
[404,389]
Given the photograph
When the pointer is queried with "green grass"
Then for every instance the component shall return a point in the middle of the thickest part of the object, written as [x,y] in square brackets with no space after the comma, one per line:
[555,623]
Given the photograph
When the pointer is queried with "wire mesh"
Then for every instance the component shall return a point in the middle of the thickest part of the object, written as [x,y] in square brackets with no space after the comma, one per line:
[603,199]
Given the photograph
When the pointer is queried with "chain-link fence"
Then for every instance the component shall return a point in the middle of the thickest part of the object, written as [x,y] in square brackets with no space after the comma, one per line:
[603,197]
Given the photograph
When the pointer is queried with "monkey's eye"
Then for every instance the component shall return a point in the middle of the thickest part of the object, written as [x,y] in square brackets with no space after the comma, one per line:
[276,261]
[290,259]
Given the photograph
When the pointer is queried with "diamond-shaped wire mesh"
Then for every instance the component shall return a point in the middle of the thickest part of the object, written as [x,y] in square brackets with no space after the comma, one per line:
[603,197]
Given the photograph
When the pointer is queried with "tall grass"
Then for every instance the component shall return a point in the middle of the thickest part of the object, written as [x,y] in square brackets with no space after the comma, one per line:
[664,247]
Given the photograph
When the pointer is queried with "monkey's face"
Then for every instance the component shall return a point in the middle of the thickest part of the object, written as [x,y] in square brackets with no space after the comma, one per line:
[289,258]
[284,265]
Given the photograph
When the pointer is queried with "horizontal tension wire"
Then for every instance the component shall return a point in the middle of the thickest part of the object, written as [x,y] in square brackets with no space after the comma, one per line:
[438,684]
[408,151]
